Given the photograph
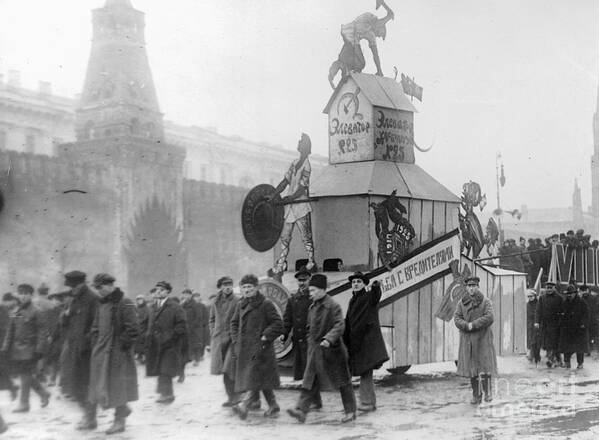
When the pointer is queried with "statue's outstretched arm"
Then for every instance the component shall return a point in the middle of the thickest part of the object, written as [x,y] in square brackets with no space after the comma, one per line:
[377,61]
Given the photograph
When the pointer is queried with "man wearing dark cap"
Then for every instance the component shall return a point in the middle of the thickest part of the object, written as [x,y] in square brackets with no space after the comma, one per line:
[219,322]
[143,313]
[77,320]
[113,376]
[295,319]
[25,344]
[9,303]
[363,337]
[55,336]
[255,325]
[573,332]
[193,316]
[49,316]
[326,365]
[591,301]
[476,354]
[198,352]
[166,333]
[547,319]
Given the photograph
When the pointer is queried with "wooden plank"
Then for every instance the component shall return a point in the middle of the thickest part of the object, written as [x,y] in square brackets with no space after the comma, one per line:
[507,315]
[386,316]
[450,351]
[496,300]
[414,298]
[425,294]
[519,314]
[400,337]
[438,288]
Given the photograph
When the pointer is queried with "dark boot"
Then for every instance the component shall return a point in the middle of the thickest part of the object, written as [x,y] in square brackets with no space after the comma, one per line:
[486,380]
[89,421]
[272,411]
[297,414]
[3,426]
[476,395]
[117,426]
[241,410]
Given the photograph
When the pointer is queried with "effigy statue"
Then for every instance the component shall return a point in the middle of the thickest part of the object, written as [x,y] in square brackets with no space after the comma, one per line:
[365,27]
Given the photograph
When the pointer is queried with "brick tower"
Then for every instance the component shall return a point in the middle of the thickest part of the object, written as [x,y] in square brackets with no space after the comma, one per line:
[119,127]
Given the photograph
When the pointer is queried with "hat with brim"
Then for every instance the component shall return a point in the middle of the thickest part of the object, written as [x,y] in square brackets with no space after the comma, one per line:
[303,274]
[571,289]
[359,276]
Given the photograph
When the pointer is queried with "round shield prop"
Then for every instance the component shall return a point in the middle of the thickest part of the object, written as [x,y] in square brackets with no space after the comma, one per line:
[278,294]
[262,220]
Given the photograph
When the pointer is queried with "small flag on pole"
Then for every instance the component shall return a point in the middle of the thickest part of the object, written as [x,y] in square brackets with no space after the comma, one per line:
[411,88]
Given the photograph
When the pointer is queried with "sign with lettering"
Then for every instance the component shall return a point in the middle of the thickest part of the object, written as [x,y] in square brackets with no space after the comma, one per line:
[421,267]
[393,135]
[350,126]
[579,265]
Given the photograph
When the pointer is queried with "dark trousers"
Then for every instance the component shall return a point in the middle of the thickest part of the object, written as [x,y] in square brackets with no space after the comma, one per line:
[579,358]
[307,397]
[29,381]
[535,352]
[366,390]
[230,389]
[252,396]
[165,385]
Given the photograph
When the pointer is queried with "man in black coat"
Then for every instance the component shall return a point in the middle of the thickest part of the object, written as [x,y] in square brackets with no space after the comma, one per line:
[327,355]
[363,337]
[25,345]
[77,320]
[295,319]
[547,318]
[167,330]
[573,335]
[143,313]
[591,300]
[533,339]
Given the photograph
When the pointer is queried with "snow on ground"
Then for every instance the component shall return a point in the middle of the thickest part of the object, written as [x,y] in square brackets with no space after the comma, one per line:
[428,402]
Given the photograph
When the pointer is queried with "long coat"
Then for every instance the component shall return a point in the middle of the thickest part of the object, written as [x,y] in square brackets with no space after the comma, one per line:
[296,318]
[256,365]
[5,382]
[363,336]
[593,303]
[113,375]
[574,331]
[167,330]
[533,335]
[205,331]
[193,316]
[548,313]
[329,365]
[219,323]
[77,320]
[476,354]
[143,315]
[26,337]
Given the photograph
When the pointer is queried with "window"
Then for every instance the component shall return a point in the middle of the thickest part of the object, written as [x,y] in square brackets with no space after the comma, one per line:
[30,143]
[2,140]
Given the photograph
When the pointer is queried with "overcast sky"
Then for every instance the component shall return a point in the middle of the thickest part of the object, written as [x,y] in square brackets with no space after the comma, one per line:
[516,76]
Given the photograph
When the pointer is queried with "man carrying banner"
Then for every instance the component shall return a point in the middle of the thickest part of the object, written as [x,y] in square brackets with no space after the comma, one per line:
[547,320]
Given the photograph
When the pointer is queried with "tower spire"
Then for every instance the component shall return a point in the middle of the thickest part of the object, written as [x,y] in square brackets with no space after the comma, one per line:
[118,96]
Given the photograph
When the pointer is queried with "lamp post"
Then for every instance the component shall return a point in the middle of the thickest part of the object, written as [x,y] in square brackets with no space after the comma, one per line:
[500,181]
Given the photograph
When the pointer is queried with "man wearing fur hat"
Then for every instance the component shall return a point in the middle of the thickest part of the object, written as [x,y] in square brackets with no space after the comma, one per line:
[113,376]
[255,325]
[219,322]
[363,337]
[166,334]
[573,327]
[77,319]
[547,319]
[295,321]
[326,366]
[476,355]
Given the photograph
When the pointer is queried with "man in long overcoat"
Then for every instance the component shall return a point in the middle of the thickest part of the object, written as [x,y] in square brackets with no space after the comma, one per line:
[476,355]
[193,316]
[363,337]
[55,336]
[167,330]
[221,311]
[590,298]
[574,331]
[255,324]
[326,366]
[143,315]
[25,345]
[533,338]
[6,308]
[295,319]
[547,319]
[113,376]
[204,340]
[77,320]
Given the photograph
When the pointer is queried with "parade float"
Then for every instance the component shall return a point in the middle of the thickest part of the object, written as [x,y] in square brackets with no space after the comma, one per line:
[373,209]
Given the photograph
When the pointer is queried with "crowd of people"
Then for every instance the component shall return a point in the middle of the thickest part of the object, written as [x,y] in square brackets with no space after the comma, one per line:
[532,255]
[562,323]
